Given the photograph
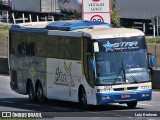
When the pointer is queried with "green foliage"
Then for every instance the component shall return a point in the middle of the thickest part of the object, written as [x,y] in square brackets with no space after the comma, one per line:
[115,19]
[153,40]
[75,16]
[4,30]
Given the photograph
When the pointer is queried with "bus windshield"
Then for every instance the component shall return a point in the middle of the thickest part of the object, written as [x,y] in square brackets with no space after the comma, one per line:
[121,59]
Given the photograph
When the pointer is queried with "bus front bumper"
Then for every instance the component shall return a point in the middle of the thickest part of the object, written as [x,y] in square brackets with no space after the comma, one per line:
[123,96]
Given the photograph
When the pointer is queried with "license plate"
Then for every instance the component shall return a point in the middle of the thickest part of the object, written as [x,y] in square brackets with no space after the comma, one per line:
[125,96]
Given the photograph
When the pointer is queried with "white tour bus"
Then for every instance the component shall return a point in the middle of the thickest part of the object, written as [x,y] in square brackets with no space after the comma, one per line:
[79,61]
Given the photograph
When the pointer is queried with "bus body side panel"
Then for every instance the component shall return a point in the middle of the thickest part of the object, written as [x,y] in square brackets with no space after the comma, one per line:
[52,90]
[63,79]
[24,68]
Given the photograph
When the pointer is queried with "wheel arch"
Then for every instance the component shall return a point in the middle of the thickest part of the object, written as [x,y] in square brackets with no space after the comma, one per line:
[79,90]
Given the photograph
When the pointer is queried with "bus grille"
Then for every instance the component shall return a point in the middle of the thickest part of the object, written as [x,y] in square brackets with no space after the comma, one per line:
[125,88]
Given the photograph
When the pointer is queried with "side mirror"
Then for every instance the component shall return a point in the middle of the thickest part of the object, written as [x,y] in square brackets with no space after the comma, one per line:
[151,61]
[92,65]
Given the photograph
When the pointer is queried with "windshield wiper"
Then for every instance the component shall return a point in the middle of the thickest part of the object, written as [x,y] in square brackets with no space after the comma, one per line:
[115,80]
[122,66]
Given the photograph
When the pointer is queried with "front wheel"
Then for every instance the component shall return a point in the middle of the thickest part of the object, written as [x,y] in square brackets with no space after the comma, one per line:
[132,105]
[83,98]
[40,94]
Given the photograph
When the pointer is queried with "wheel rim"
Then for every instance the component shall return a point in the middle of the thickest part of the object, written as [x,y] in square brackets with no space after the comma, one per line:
[40,94]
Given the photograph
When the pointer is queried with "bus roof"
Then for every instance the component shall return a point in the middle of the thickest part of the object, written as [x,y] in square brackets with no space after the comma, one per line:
[70,25]
[104,32]
[92,29]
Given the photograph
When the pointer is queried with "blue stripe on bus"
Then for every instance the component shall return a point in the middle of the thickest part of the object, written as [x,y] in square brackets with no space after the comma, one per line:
[74,25]
[116,97]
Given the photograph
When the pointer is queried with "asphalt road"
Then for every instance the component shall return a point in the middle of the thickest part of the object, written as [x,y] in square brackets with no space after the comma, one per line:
[13,102]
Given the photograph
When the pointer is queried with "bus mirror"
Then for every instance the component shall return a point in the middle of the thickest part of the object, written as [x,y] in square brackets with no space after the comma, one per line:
[96,47]
[151,61]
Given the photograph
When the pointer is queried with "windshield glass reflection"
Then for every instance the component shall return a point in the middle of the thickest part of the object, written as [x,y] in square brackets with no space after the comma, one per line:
[115,57]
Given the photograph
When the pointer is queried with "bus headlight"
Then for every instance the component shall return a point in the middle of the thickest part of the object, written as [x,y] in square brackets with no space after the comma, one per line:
[146,87]
[102,90]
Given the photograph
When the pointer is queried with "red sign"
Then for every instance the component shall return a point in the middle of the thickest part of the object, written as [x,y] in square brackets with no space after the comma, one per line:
[97,18]
[95,0]
[125,96]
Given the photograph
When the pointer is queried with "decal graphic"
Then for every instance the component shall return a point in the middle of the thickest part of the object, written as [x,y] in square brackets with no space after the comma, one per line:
[108,46]
[32,71]
[121,45]
[64,77]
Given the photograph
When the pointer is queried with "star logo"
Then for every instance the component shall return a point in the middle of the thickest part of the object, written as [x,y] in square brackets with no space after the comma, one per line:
[108,46]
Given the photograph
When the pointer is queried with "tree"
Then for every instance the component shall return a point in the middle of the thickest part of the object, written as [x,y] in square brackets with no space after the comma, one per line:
[115,19]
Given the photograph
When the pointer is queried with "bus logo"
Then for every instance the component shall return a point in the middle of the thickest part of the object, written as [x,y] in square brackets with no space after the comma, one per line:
[63,75]
[108,46]
[120,45]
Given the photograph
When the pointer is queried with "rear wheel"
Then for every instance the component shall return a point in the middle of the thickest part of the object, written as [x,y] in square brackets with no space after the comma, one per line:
[83,98]
[39,93]
[132,105]
[31,93]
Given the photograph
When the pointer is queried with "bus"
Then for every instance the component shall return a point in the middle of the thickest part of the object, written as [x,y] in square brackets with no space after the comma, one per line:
[79,61]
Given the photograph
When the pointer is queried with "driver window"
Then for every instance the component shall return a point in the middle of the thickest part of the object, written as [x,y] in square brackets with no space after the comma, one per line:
[87,57]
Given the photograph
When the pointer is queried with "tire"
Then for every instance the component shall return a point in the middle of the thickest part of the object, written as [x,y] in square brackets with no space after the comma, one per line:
[83,98]
[39,93]
[31,93]
[132,105]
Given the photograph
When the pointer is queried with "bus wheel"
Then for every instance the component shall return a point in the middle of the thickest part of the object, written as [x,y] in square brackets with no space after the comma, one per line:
[31,92]
[132,105]
[39,93]
[83,98]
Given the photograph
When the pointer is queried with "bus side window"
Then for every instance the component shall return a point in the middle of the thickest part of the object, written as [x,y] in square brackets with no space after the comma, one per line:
[52,47]
[41,45]
[69,48]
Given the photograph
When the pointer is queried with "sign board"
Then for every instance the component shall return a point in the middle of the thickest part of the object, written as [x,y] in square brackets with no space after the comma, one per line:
[96,6]
[102,17]
[96,10]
